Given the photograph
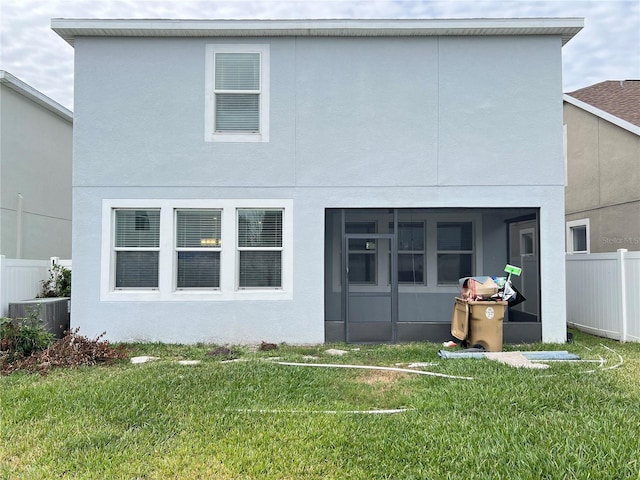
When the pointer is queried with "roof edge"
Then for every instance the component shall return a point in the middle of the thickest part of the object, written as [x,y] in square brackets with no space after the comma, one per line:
[27,91]
[69,29]
[602,114]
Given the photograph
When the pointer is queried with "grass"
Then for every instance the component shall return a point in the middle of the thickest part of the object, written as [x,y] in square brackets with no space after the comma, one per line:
[259,420]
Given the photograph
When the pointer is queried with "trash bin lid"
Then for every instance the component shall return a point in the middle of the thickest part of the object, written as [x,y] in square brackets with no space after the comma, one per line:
[460,319]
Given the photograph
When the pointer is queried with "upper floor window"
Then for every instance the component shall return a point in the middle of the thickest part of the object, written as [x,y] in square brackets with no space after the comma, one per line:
[237,93]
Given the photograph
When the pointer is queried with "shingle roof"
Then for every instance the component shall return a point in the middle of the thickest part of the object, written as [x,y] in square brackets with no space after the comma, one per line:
[617,97]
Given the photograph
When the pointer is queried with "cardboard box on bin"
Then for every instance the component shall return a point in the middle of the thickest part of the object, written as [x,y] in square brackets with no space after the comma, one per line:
[472,288]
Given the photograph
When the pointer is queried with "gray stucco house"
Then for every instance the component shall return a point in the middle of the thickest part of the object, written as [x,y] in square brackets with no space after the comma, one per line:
[603,167]
[314,180]
[36,135]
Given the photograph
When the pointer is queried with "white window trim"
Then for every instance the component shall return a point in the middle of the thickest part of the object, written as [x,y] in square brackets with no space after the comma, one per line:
[166,290]
[583,222]
[210,135]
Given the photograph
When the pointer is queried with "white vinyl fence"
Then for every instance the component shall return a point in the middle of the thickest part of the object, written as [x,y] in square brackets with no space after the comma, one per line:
[22,279]
[603,294]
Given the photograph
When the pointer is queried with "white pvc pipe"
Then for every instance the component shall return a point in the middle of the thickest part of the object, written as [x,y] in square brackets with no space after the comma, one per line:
[371,367]
[329,412]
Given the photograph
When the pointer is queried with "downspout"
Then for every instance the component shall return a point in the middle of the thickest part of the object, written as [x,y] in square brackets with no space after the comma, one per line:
[19,214]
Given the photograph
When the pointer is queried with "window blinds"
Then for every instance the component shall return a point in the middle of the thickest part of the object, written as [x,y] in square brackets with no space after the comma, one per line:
[137,239]
[237,92]
[198,243]
[260,248]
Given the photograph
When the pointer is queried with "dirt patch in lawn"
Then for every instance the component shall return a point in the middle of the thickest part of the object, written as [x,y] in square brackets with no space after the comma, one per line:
[380,378]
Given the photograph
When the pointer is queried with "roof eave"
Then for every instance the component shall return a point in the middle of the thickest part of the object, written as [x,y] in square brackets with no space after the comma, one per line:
[602,114]
[69,29]
[34,95]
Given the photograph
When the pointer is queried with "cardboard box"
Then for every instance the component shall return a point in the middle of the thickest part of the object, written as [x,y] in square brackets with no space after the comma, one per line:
[473,288]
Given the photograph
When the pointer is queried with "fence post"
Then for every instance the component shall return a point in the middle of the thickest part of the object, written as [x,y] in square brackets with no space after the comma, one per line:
[623,293]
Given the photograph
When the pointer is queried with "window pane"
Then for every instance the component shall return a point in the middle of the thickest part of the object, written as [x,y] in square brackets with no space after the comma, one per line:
[360,227]
[137,228]
[411,236]
[579,238]
[237,71]
[453,266]
[237,112]
[198,269]
[362,268]
[455,236]
[136,270]
[260,269]
[259,228]
[526,244]
[198,228]
[410,268]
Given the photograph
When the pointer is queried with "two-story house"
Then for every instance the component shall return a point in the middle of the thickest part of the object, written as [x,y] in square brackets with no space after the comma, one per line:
[314,180]
[603,167]
[36,136]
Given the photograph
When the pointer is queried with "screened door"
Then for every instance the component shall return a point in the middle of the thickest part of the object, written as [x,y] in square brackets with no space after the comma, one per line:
[371,287]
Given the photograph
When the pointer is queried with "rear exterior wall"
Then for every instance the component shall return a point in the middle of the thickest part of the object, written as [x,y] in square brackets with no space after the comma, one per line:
[354,123]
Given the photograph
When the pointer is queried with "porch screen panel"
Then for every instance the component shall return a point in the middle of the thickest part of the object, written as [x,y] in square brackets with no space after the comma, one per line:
[455,251]
[198,244]
[362,254]
[260,248]
[136,245]
[237,92]
[411,245]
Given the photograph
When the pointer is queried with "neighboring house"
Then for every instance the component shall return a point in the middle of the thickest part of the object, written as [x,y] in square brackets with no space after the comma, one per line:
[603,167]
[314,180]
[36,137]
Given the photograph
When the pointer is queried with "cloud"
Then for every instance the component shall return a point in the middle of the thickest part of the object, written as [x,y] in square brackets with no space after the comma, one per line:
[608,47]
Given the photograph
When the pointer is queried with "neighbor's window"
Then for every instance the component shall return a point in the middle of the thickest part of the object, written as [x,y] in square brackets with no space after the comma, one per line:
[260,248]
[198,245]
[237,107]
[455,251]
[136,248]
[578,236]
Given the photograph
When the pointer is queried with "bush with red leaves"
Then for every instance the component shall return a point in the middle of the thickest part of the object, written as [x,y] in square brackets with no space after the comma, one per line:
[71,351]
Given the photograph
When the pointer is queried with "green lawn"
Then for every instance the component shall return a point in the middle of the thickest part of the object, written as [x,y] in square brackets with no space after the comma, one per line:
[256,419]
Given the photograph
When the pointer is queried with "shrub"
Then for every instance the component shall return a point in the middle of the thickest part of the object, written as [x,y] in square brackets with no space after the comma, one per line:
[58,284]
[21,337]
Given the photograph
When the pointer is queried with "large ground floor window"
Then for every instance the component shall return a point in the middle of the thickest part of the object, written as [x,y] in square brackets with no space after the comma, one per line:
[196,249]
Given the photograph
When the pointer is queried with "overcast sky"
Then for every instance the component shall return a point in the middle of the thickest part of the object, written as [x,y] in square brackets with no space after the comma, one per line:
[608,48]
